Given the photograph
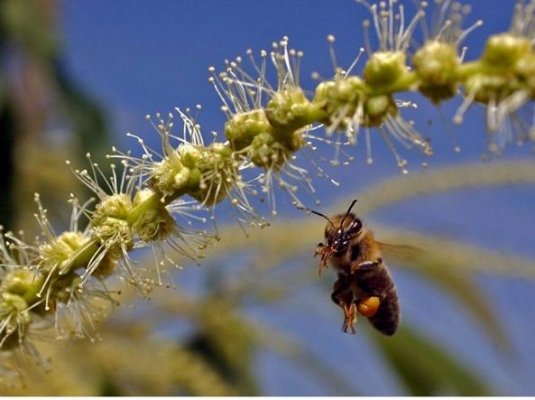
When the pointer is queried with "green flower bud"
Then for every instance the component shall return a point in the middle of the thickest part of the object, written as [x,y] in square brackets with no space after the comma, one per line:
[155,223]
[116,206]
[59,251]
[377,108]
[181,172]
[194,179]
[267,153]
[189,155]
[242,128]
[63,255]
[214,156]
[262,150]
[505,50]
[525,69]
[181,179]
[268,145]
[14,310]
[221,150]
[488,87]
[23,283]
[115,234]
[289,109]
[436,64]
[508,66]
[384,69]
[110,223]
[10,302]
[218,174]
[331,95]
[340,94]
[170,176]
[324,93]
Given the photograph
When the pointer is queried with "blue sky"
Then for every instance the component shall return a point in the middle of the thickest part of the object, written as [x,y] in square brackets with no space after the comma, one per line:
[139,57]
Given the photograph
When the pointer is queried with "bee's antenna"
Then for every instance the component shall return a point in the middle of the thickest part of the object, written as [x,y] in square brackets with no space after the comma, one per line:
[347,212]
[317,213]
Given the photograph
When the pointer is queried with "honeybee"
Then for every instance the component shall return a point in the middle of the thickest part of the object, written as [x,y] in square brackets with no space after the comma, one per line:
[364,284]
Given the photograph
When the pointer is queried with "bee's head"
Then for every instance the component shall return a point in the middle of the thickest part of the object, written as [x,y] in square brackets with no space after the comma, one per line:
[340,229]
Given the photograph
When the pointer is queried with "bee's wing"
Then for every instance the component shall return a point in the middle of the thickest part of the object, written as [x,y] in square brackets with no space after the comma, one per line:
[400,252]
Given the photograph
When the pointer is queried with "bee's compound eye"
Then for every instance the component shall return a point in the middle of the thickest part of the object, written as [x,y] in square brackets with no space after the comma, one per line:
[356,226]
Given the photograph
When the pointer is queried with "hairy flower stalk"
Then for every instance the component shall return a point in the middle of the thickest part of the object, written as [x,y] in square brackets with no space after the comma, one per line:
[62,276]
[351,102]
[438,60]
[268,124]
[502,80]
[61,279]
[187,167]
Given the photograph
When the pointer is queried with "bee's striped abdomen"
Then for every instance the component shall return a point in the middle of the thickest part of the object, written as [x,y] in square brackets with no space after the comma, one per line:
[378,282]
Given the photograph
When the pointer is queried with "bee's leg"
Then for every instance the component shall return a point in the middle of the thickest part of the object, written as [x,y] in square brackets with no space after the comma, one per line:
[342,296]
[350,317]
[369,306]
[366,265]
[321,250]
[340,290]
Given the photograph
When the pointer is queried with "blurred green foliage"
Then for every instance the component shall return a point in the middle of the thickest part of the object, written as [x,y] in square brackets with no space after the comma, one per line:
[38,102]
